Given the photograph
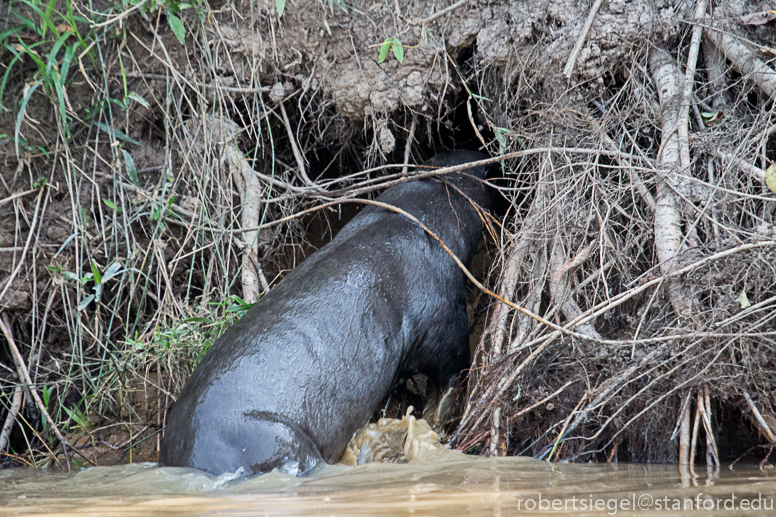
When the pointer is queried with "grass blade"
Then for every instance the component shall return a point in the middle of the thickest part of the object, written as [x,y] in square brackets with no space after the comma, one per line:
[129,164]
[115,133]
[28,91]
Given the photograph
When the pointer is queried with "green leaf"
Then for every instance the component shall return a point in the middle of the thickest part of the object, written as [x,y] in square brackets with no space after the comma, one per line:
[67,241]
[384,50]
[46,22]
[129,164]
[85,302]
[123,77]
[480,97]
[52,57]
[69,275]
[110,204]
[61,99]
[77,416]
[17,56]
[177,27]
[398,50]
[112,131]
[7,33]
[96,273]
[65,68]
[499,133]
[139,99]
[49,10]
[84,216]
[712,119]
[28,91]
[280,5]
[30,53]
[46,393]
[770,178]
[112,271]
[26,23]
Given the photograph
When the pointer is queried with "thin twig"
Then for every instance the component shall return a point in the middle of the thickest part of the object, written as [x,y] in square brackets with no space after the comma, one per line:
[711,444]
[581,39]
[471,121]
[5,326]
[443,12]
[297,153]
[744,60]
[10,419]
[18,194]
[545,399]
[408,145]
[690,459]
[18,267]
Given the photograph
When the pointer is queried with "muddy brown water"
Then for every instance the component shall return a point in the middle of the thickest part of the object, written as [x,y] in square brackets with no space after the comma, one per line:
[447,483]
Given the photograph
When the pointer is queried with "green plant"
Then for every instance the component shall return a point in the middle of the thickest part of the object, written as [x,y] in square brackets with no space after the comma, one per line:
[716,118]
[78,416]
[129,165]
[235,306]
[50,43]
[338,3]
[194,336]
[391,44]
[172,10]
[45,394]
[99,280]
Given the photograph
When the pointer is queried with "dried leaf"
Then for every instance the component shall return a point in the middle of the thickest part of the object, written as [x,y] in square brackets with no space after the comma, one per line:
[712,119]
[580,258]
[768,52]
[770,177]
[767,18]
[743,300]
[326,25]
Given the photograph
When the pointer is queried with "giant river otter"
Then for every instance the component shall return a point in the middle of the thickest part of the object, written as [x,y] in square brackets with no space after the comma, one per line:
[289,384]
